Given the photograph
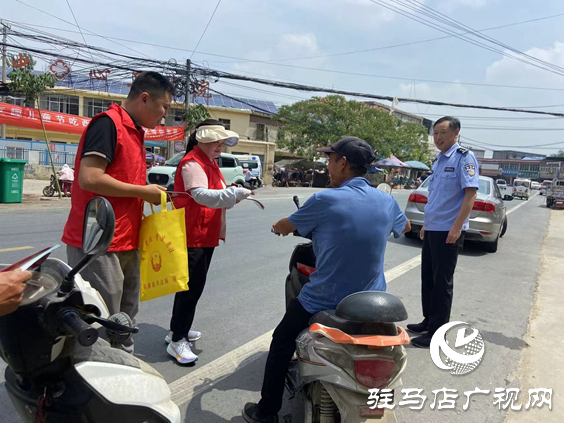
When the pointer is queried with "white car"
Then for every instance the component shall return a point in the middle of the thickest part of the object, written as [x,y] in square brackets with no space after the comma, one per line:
[536,185]
[164,175]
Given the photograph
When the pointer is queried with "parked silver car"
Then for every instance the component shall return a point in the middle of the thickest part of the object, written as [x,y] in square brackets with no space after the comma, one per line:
[488,219]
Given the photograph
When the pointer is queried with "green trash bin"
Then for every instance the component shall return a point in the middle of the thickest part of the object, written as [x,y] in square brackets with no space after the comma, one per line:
[11,180]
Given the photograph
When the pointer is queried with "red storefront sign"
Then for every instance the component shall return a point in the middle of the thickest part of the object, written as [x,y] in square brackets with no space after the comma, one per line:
[26,117]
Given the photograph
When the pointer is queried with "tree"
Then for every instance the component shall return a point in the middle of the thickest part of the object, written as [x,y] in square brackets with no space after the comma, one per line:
[24,81]
[195,114]
[559,154]
[321,121]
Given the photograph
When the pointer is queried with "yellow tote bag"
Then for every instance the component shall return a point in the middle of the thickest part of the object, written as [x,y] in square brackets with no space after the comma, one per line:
[164,255]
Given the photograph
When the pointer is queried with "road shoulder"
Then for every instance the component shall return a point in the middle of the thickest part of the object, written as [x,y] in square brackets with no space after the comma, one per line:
[542,359]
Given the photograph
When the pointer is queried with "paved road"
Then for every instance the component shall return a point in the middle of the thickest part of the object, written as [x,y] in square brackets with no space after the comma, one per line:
[244,300]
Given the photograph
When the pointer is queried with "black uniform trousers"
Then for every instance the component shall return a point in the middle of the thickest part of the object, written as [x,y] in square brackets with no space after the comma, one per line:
[438,263]
[282,348]
[185,302]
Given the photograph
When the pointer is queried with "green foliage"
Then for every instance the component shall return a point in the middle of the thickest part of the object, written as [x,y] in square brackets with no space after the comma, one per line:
[195,114]
[24,81]
[322,121]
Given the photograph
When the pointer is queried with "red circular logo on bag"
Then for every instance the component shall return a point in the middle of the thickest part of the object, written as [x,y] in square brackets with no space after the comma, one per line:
[156,261]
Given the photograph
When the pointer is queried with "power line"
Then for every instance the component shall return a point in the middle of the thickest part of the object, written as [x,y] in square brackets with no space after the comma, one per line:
[462,37]
[321,56]
[511,146]
[205,29]
[300,87]
[431,81]
[70,23]
[80,29]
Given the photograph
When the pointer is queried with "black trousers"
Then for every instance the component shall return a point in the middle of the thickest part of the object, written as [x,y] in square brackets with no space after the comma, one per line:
[438,263]
[185,302]
[282,348]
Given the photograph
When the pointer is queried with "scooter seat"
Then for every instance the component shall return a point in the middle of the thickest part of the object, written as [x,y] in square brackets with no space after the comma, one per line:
[365,313]
[351,327]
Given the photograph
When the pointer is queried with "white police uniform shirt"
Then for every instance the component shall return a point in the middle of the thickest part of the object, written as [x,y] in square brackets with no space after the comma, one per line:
[452,172]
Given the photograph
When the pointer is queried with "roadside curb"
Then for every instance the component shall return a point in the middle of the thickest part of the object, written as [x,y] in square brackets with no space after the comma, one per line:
[543,354]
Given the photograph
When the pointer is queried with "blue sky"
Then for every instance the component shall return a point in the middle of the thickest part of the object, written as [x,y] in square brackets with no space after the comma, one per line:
[280,30]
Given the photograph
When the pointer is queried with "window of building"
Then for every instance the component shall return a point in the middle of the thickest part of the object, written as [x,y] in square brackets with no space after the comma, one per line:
[175,117]
[15,153]
[60,103]
[19,101]
[94,106]
[525,167]
[226,123]
[535,168]
[262,132]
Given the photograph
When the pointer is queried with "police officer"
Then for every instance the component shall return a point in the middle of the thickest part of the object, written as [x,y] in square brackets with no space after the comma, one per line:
[452,191]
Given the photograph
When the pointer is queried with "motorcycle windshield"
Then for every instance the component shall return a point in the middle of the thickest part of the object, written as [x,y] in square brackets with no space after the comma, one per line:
[33,261]
[40,285]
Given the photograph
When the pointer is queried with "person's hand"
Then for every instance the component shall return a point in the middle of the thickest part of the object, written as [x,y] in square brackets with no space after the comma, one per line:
[12,285]
[453,235]
[422,233]
[152,194]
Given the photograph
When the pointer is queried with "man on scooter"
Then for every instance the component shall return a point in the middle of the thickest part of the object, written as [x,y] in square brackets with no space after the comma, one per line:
[350,224]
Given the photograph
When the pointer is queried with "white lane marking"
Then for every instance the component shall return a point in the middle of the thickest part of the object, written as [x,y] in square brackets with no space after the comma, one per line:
[198,381]
[520,205]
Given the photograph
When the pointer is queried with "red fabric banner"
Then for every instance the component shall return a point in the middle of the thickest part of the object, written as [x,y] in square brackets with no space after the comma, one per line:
[26,117]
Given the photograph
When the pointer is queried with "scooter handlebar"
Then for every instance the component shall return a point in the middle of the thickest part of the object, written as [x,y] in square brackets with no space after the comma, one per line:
[71,321]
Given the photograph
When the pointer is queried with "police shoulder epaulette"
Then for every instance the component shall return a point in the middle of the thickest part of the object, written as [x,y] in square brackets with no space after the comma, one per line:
[463,150]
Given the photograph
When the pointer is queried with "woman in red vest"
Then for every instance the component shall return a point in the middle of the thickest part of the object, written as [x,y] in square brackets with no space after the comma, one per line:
[199,175]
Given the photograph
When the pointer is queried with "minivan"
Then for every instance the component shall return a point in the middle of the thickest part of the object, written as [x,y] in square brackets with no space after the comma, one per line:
[522,188]
[164,175]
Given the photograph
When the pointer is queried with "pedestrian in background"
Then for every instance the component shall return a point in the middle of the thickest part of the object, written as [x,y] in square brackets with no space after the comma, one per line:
[66,176]
[199,175]
[453,184]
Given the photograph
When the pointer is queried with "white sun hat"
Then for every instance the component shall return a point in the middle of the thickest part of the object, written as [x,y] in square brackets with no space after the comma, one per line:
[212,133]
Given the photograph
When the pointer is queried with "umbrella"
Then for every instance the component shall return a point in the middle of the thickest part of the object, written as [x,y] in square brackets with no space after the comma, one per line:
[392,162]
[153,157]
[374,169]
[417,165]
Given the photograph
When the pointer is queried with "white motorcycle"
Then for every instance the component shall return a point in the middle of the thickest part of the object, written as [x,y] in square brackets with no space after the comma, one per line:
[345,352]
[58,370]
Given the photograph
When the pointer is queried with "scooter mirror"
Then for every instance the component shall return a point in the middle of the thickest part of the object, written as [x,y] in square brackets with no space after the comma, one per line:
[296,201]
[99,226]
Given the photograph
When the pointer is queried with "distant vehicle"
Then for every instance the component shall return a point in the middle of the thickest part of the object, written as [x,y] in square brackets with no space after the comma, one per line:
[536,185]
[164,175]
[555,194]
[488,219]
[253,163]
[499,182]
[522,188]
[545,187]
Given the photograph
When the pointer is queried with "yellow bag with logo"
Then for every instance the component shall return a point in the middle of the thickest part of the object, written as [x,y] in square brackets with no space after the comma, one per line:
[164,255]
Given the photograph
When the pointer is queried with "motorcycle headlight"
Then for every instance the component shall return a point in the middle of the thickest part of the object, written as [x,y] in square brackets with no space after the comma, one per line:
[174,174]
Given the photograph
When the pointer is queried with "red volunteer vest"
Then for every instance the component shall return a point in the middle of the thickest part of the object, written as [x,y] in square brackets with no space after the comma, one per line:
[203,224]
[128,165]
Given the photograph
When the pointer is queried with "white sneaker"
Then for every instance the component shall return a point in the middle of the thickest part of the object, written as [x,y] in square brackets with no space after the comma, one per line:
[193,335]
[181,351]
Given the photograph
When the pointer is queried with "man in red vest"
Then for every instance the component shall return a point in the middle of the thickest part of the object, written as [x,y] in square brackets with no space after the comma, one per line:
[111,163]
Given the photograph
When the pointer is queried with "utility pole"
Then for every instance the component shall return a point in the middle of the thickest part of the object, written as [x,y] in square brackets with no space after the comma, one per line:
[4,60]
[187,98]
